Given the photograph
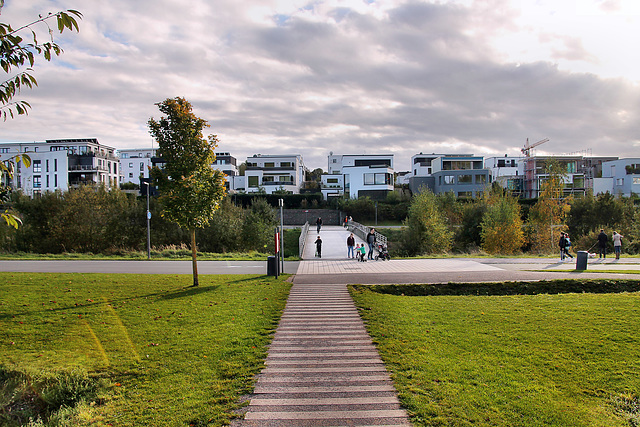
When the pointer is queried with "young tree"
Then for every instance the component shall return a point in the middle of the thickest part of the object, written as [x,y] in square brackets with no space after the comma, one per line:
[190,189]
[502,224]
[16,52]
[546,217]
[426,227]
[6,175]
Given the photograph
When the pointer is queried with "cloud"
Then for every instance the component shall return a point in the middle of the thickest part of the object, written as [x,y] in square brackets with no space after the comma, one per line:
[342,76]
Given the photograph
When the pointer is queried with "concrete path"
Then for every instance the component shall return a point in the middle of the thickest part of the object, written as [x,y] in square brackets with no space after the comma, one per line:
[322,368]
[334,242]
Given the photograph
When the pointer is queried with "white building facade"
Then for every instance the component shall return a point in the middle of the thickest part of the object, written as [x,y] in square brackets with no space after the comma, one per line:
[507,171]
[354,176]
[62,164]
[271,173]
[620,177]
[135,164]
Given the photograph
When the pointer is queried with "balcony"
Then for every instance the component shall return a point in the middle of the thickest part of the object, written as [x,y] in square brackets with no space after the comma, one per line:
[87,168]
[275,168]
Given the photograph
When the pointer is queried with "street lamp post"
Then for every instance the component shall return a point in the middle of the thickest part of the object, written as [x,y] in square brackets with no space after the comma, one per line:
[148,221]
[281,204]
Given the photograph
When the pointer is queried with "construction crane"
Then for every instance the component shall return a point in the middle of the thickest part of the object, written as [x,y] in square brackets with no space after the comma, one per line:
[528,147]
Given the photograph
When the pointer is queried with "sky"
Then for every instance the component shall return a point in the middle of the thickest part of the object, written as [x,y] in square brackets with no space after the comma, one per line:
[349,77]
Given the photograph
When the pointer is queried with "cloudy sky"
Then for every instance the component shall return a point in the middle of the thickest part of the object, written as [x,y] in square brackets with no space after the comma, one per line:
[352,77]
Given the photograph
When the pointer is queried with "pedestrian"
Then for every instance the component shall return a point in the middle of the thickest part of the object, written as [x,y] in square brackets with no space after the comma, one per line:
[567,245]
[361,253]
[371,241]
[562,243]
[346,221]
[319,247]
[617,243]
[351,243]
[319,223]
[602,244]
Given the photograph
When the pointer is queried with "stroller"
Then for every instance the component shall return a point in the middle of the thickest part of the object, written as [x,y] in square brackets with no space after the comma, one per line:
[383,253]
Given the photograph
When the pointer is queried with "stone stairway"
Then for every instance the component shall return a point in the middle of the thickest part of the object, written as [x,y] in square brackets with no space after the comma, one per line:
[322,369]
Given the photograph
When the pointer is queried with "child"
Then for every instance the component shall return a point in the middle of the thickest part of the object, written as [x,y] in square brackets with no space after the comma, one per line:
[362,252]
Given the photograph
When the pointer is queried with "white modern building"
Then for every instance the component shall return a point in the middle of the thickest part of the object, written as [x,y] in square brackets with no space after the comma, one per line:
[60,164]
[228,164]
[135,164]
[620,177]
[358,175]
[271,173]
[507,171]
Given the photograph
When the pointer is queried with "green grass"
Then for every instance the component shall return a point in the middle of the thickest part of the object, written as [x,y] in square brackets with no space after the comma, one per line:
[522,360]
[165,255]
[169,354]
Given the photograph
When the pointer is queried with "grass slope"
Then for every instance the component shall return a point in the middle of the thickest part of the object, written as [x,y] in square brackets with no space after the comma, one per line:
[173,355]
[516,360]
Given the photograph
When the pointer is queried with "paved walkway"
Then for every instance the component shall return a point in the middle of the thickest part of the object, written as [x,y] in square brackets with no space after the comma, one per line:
[322,368]
[334,242]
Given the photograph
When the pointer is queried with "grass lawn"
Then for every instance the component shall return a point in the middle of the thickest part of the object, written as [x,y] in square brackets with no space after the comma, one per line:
[524,360]
[166,354]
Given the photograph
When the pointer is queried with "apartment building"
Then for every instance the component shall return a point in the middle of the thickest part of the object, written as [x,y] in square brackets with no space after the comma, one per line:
[60,164]
[271,173]
[462,174]
[620,177]
[507,171]
[354,176]
[135,164]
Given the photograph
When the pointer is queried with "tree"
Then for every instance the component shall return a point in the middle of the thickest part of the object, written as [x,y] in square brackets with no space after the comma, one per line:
[6,176]
[190,189]
[426,227]
[546,217]
[16,52]
[502,224]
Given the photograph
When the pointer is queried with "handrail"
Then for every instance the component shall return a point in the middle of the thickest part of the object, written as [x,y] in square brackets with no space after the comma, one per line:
[362,231]
[302,240]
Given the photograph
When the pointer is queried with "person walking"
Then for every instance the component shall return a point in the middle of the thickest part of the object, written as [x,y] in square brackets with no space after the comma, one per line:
[371,240]
[345,222]
[318,243]
[567,245]
[617,243]
[602,244]
[351,243]
[319,223]
[562,243]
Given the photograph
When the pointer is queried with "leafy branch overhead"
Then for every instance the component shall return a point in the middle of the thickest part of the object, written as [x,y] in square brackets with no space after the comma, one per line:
[18,51]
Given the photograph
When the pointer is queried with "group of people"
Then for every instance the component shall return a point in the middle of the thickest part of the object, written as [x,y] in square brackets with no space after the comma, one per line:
[359,251]
[602,244]
[565,244]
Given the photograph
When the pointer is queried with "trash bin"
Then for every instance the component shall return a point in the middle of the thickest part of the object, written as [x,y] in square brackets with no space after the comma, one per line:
[272,266]
[581,260]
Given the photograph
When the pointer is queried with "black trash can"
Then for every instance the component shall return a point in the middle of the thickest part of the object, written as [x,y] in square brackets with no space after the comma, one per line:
[581,260]
[272,266]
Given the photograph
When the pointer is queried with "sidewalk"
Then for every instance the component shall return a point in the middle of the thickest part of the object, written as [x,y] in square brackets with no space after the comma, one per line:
[334,242]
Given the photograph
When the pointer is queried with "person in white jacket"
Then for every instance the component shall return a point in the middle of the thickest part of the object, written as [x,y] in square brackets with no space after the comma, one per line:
[617,243]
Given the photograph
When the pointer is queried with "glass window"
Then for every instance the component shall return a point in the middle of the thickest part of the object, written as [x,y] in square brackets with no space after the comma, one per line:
[269,165]
[636,180]
[252,181]
[130,174]
[47,181]
[481,179]
[141,166]
[465,194]
[37,166]
[131,164]
[449,179]
[36,182]
[332,180]
[368,179]
[286,178]
[267,179]
[620,181]
[381,178]
[55,180]
[464,179]
[55,166]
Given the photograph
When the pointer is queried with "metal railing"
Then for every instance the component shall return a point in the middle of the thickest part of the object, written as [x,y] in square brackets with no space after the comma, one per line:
[303,238]
[362,231]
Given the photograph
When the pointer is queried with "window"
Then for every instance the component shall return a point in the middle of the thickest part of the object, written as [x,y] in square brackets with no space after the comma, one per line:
[131,165]
[37,166]
[286,178]
[141,166]
[4,150]
[465,179]
[381,178]
[130,174]
[449,179]
[481,179]
[47,165]
[55,166]
[286,164]
[636,180]
[35,149]
[332,180]
[620,181]
[332,160]
[252,181]
[55,180]
[36,182]
[368,178]
[47,181]
[268,179]
[269,165]
[125,155]
[115,168]
[465,194]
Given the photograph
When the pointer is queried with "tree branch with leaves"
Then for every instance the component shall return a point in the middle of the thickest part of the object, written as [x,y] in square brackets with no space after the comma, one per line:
[18,51]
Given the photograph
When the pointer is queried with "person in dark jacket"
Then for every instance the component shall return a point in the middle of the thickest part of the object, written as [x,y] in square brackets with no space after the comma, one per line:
[562,244]
[319,223]
[351,243]
[371,241]
[318,243]
[602,244]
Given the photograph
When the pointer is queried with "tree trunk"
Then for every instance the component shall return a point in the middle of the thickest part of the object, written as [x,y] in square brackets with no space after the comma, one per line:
[194,254]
